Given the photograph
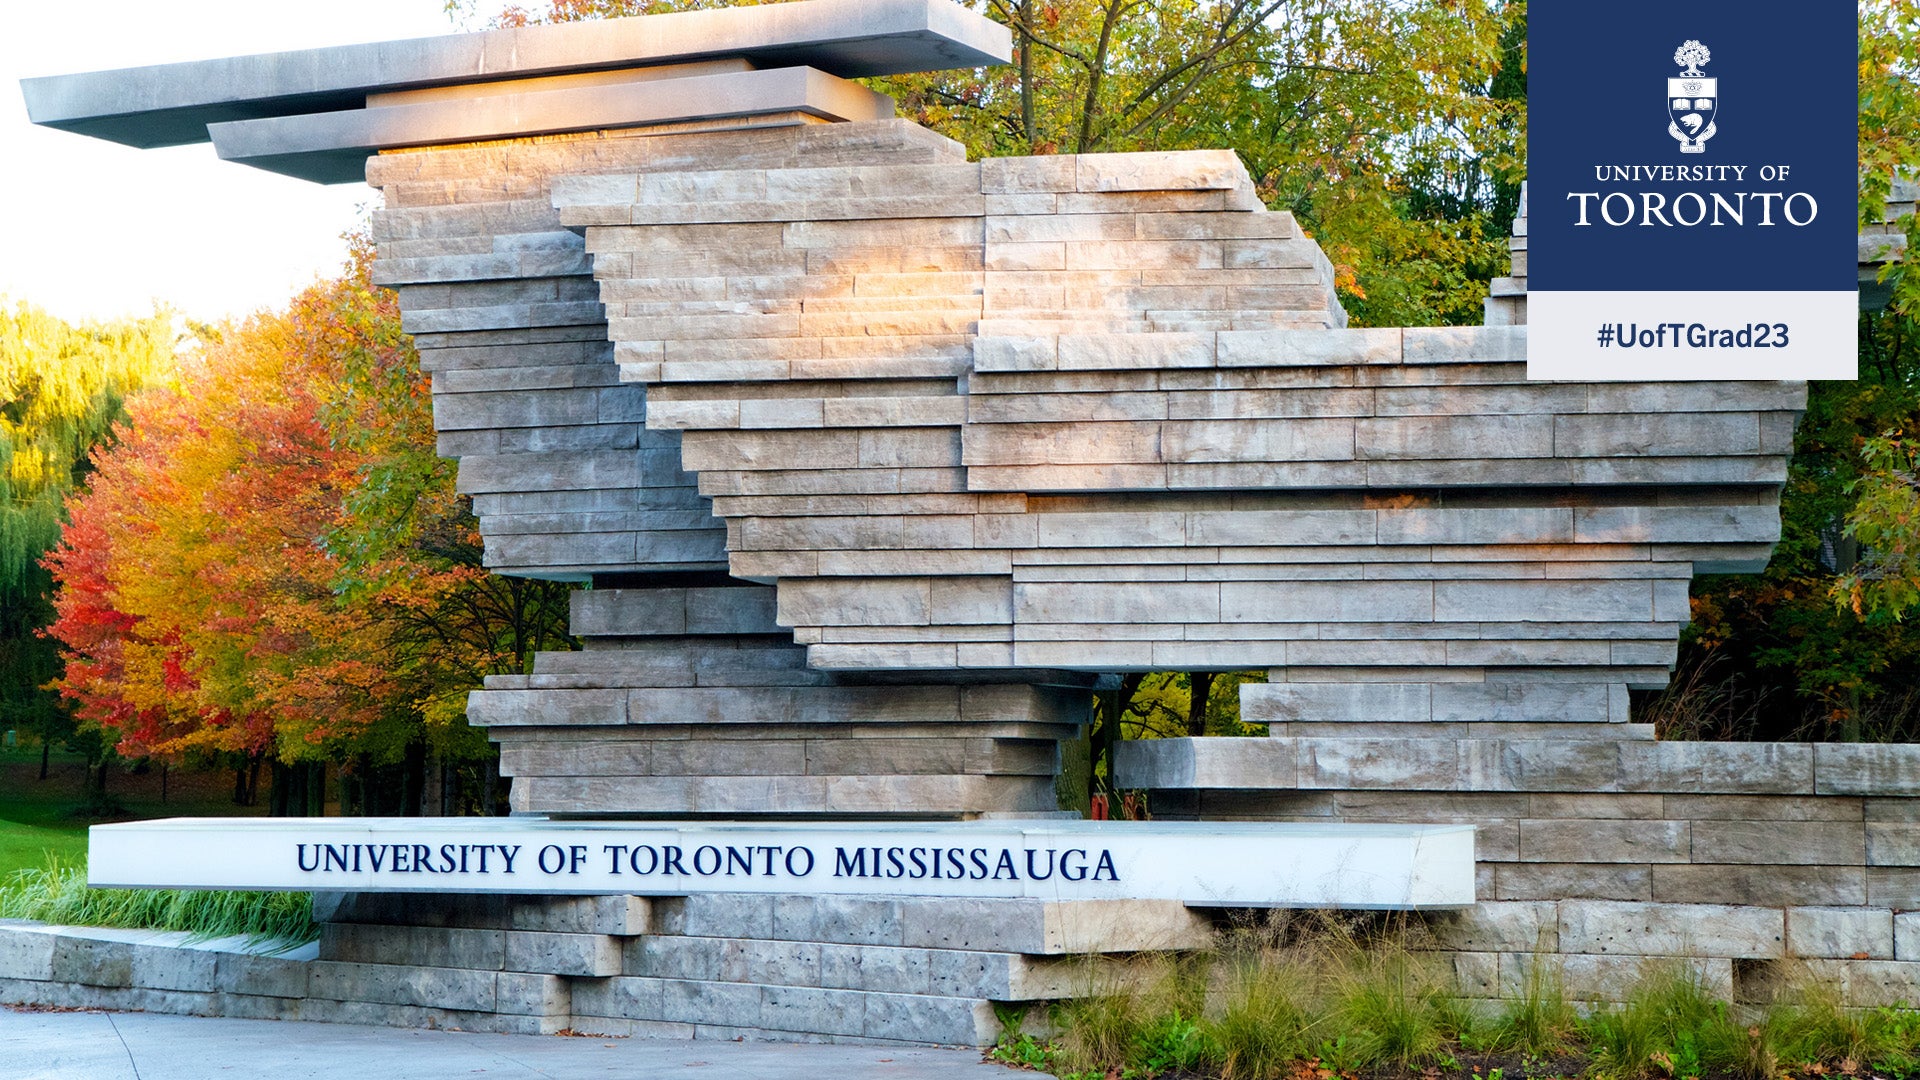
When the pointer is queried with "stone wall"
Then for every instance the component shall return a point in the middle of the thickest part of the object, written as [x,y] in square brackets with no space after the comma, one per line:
[716,966]
[1742,859]
[1002,426]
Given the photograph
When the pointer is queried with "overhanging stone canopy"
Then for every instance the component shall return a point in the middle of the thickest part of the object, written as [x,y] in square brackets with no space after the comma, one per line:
[317,113]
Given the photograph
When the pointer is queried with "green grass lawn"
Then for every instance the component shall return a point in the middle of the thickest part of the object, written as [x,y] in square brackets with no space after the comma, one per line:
[41,817]
[23,846]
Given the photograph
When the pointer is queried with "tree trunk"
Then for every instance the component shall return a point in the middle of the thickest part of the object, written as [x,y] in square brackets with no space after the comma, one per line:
[1026,72]
[1200,692]
[414,786]
[46,751]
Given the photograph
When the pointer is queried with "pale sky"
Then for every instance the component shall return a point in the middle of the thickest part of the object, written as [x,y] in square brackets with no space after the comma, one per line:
[92,229]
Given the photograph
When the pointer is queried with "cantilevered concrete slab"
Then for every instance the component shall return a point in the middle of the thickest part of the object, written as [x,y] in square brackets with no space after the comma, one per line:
[332,147]
[172,104]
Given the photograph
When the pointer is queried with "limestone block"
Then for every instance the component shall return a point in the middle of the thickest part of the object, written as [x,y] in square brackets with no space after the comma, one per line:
[1868,984]
[1656,434]
[1467,437]
[1265,528]
[710,1003]
[390,984]
[1285,703]
[1780,843]
[802,1008]
[1505,525]
[715,915]
[1678,525]
[535,994]
[1180,170]
[507,708]
[1589,977]
[1335,764]
[1523,702]
[1194,441]
[912,1018]
[1606,927]
[1263,348]
[92,961]
[1151,352]
[1906,935]
[1571,881]
[1762,808]
[1777,886]
[1604,841]
[1893,844]
[1311,601]
[1883,769]
[1020,175]
[1558,601]
[586,955]
[26,953]
[1495,926]
[1840,933]
[274,977]
[1465,344]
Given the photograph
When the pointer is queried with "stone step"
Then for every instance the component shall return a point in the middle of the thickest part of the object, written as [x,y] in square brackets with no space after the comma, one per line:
[957,973]
[1030,927]
[752,1007]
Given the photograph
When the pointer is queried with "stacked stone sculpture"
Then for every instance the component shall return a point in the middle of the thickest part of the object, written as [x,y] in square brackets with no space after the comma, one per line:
[875,457]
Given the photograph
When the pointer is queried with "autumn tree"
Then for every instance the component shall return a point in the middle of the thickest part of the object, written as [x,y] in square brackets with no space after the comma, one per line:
[61,391]
[272,562]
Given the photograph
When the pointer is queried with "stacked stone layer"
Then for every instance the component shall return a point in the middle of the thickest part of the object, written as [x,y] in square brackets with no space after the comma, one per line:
[716,966]
[689,698]
[1100,413]
[1610,852]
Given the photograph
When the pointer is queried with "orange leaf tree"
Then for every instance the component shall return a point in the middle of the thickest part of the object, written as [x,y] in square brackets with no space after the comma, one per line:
[273,562]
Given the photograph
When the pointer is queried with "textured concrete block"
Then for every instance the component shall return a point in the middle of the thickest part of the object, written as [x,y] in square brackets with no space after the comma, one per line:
[170,967]
[1841,933]
[26,954]
[1596,926]
[1603,978]
[1571,841]
[1780,843]
[586,955]
[1906,935]
[1490,927]
[1570,881]
[92,961]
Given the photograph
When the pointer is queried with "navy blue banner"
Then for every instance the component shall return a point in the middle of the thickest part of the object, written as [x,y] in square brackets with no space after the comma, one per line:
[1700,146]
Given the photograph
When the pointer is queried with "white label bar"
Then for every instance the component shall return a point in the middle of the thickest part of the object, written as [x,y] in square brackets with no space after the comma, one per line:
[1201,863]
[1692,336]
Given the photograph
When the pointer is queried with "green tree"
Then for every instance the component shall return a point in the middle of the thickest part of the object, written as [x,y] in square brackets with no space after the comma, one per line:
[62,388]
[1816,645]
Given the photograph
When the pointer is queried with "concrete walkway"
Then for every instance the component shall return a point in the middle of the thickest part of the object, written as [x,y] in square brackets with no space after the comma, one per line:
[150,1046]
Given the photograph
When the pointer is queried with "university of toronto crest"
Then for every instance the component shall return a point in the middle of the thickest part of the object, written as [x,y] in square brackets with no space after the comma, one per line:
[1692,99]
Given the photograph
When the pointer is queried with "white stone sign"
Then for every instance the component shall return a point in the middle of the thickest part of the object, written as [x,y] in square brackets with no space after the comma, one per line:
[1205,864]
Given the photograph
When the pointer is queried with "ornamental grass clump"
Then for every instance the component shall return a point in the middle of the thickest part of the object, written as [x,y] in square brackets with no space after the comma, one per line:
[1810,1025]
[60,894]
[1143,1013]
[1269,1016]
[1538,1021]
[1672,1024]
